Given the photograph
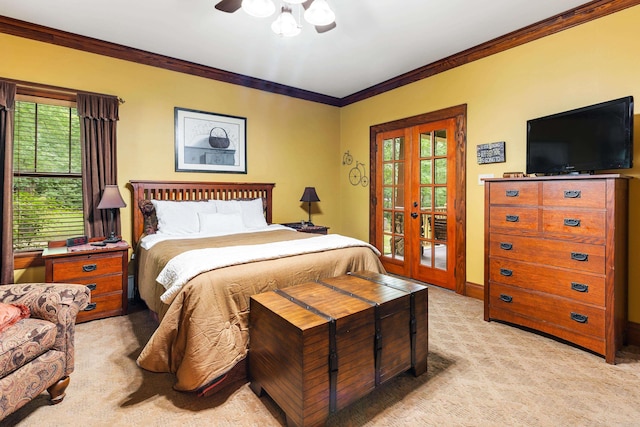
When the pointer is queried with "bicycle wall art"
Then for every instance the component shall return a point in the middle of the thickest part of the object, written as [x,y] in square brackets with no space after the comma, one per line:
[358,173]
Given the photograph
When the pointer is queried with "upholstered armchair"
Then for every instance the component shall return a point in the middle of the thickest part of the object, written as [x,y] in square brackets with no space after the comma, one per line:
[37,350]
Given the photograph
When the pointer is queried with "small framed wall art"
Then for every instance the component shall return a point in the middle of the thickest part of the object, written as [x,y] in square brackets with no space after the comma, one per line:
[210,142]
[491,153]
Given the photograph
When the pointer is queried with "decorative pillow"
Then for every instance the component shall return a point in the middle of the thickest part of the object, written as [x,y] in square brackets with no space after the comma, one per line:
[150,218]
[11,313]
[220,223]
[180,217]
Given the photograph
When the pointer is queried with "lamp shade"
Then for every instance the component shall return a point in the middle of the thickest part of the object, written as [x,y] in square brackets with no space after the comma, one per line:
[111,198]
[319,13]
[285,24]
[309,195]
[259,8]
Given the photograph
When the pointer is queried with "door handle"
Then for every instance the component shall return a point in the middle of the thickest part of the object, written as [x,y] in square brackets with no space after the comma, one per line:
[414,215]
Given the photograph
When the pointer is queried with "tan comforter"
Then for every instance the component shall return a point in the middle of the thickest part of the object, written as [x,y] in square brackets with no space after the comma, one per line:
[203,333]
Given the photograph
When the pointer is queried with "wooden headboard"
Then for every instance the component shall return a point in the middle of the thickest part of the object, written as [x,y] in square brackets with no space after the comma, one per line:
[193,191]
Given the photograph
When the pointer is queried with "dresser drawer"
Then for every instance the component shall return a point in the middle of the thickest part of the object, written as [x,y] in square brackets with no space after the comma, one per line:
[511,218]
[557,253]
[587,223]
[102,306]
[81,267]
[581,287]
[514,193]
[568,314]
[575,193]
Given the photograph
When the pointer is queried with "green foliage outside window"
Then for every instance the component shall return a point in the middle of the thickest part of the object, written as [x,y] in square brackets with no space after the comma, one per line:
[47,193]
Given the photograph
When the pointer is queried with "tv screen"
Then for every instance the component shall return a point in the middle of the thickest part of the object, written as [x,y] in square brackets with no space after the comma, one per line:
[583,140]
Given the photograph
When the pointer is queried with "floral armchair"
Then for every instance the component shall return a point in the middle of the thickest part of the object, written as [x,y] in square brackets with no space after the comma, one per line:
[37,349]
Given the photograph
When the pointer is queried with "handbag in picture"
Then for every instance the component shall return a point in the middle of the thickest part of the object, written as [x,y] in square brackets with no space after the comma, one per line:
[217,140]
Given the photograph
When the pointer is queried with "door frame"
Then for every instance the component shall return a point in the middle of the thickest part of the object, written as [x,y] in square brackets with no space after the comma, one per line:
[459,113]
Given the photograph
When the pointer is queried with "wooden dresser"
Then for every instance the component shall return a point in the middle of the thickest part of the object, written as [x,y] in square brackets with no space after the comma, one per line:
[556,257]
[102,269]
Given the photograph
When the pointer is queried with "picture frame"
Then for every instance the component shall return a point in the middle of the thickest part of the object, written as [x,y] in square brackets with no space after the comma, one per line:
[210,142]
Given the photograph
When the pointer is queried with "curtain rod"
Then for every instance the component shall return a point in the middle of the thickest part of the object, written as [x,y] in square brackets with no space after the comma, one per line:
[36,88]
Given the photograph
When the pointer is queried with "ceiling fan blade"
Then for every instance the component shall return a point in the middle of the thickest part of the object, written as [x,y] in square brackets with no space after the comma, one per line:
[229,6]
[319,28]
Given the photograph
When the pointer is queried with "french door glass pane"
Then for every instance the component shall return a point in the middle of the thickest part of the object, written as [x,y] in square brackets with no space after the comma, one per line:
[440,252]
[386,221]
[441,142]
[441,171]
[387,178]
[386,196]
[425,145]
[425,171]
[425,198]
[399,149]
[387,150]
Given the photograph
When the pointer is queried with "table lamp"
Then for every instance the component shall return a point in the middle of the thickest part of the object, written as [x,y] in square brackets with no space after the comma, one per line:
[309,196]
[112,200]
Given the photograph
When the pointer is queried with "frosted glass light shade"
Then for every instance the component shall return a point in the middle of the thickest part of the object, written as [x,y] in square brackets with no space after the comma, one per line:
[259,8]
[285,24]
[319,13]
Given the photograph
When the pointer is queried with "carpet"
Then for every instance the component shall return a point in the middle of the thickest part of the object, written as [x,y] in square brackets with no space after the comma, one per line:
[479,374]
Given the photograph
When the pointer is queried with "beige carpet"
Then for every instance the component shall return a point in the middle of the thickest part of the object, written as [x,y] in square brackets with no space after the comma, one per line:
[479,374]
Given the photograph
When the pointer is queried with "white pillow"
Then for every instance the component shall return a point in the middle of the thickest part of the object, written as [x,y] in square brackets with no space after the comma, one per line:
[253,213]
[227,206]
[220,223]
[178,217]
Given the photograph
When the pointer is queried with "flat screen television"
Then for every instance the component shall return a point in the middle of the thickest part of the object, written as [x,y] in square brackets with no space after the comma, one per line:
[584,140]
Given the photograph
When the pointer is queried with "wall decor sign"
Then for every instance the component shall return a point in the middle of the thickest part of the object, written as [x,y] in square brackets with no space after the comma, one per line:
[210,142]
[491,153]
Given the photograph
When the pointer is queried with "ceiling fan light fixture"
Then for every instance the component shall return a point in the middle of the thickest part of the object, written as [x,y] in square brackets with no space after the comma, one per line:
[285,24]
[319,13]
[259,8]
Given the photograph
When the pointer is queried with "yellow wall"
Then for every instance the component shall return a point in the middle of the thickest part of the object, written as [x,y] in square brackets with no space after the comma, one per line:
[591,63]
[296,143]
[290,142]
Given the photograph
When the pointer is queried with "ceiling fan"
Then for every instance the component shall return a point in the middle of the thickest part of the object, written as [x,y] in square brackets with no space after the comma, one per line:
[230,6]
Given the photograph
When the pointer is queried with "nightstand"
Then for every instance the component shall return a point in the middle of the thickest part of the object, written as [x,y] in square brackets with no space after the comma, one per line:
[101,269]
[315,229]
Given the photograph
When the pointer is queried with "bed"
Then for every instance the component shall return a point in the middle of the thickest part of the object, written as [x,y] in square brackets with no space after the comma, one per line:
[198,284]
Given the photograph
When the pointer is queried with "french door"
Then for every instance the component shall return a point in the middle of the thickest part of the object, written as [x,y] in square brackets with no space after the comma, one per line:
[419,199]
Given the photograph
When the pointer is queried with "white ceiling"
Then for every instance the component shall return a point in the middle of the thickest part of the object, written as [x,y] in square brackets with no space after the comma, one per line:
[375,40]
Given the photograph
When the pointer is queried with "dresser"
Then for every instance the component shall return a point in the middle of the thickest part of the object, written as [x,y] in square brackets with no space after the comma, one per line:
[101,269]
[556,257]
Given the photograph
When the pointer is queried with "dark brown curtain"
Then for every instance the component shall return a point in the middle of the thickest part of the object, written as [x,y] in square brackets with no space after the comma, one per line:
[98,119]
[7,103]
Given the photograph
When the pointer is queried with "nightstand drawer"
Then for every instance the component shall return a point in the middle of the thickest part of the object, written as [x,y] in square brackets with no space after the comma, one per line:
[102,306]
[83,266]
[103,285]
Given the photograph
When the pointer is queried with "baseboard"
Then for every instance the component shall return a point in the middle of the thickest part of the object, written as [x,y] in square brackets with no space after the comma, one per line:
[633,333]
[474,290]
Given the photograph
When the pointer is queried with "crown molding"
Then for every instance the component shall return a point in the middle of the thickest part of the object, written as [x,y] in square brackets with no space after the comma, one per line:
[580,15]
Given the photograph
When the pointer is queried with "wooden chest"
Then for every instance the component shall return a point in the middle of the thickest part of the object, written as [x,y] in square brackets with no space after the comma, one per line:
[317,347]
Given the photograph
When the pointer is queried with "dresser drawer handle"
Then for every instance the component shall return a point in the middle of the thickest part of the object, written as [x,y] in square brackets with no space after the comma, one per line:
[572,194]
[579,287]
[577,256]
[513,218]
[506,246]
[91,306]
[580,318]
[92,286]
[512,193]
[506,298]
[506,272]
[89,267]
[572,222]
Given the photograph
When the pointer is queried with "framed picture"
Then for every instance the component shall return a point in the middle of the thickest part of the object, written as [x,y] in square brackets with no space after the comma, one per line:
[209,142]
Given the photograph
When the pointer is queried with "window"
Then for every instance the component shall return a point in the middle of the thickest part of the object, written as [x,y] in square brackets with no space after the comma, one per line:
[47,173]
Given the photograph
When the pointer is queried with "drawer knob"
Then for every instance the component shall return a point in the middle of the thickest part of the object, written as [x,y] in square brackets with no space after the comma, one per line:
[506,272]
[507,298]
[512,193]
[580,318]
[572,222]
[91,306]
[506,246]
[92,286]
[578,256]
[579,287]
[513,218]
[89,267]
[572,194]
